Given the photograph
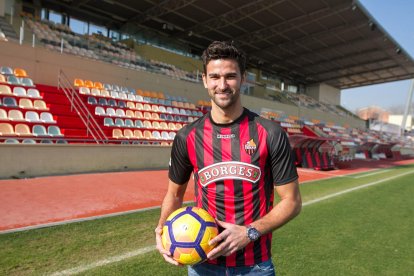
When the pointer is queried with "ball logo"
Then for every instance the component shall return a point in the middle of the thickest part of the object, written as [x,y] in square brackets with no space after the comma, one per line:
[229,170]
[250,147]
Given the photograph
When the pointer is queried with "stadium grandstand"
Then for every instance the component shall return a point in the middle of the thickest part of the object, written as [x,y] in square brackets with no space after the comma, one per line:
[98,86]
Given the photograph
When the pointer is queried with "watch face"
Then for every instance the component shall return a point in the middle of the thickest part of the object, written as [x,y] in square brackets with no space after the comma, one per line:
[253,234]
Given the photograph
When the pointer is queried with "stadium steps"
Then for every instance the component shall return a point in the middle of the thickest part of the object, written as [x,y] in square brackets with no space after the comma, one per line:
[67,118]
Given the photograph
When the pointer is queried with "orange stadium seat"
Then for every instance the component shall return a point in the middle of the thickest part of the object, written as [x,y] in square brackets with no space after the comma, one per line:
[78,83]
[139,92]
[19,72]
[98,85]
[89,83]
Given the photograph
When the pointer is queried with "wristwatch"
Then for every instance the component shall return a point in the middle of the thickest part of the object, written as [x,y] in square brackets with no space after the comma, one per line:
[252,233]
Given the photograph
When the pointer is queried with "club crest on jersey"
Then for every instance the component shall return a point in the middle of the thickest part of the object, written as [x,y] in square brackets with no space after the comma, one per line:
[229,170]
[250,147]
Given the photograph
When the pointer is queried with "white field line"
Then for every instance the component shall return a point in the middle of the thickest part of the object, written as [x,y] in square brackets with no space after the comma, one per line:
[82,268]
[44,225]
[373,173]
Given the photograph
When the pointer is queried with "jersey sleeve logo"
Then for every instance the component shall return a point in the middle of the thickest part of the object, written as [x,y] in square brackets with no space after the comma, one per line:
[250,147]
[229,170]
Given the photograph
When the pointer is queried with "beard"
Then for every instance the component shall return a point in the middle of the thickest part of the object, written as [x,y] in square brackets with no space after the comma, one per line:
[225,99]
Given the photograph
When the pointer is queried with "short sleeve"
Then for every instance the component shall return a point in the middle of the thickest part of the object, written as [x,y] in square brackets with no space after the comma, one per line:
[281,157]
[180,167]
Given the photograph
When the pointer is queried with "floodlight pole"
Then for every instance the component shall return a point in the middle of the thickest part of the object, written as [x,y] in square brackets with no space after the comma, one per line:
[407,107]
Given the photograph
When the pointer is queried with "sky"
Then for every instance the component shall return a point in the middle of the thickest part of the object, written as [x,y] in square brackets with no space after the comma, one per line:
[397,18]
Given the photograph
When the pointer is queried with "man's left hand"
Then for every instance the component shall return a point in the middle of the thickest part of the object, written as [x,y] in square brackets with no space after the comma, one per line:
[232,238]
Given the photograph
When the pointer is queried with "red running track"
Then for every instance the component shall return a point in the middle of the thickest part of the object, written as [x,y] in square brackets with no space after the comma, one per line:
[56,199]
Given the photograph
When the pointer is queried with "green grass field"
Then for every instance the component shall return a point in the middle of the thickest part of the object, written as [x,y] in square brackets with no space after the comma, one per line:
[367,231]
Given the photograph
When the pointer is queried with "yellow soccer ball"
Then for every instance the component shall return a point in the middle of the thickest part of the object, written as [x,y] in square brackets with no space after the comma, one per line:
[186,234]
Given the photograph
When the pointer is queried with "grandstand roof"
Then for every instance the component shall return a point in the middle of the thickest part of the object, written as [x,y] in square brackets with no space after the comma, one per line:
[335,42]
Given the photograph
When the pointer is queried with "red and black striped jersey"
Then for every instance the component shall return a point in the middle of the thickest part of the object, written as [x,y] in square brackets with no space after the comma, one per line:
[235,169]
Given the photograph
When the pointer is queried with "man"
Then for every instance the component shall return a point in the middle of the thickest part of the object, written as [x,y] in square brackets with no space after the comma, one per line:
[237,158]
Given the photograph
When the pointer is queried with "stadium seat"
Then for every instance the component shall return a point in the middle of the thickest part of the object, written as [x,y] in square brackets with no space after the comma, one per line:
[147,115]
[88,83]
[33,93]
[130,114]
[9,102]
[39,130]
[100,111]
[2,79]
[147,107]
[156,135]
[32,116]
[109,122]
[139,98]
[46,141]
[18,72]
[172,135]
[119,122]
[112,102]
[6,70]
[98,85]
[95,92]
[120,112]
[26,103]
[102,101]
[47,117]
[13,80]
[78,83]
[117,133]
[147,135]
[6,129]
[92,100]
[3,115]
[11,141]
[28,141]
[139,106]
[22,130]
[156,125]
[128,133]
[19,91]
[162,109]
[130,105]
[139,124]
[154,108]
[107,86]
[155,116]
[138,114]
[163,116]
[5,90]
[110,112]
[40,104]
[84,90]
[62,141]
[147,124]
[163,125]
[129,123]
[171,126]
[121,104]
[165,135]
[26,82]
[138,134]
[105,93]
[54,131]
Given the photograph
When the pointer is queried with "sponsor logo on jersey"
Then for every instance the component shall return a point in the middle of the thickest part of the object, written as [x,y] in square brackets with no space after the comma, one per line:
[229,170]
[226,136]
[250,147]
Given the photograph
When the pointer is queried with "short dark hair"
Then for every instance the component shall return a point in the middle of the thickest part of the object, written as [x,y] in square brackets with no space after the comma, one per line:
[224,50]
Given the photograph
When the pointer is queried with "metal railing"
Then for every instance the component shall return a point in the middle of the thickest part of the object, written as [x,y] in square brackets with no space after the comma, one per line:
[92,127]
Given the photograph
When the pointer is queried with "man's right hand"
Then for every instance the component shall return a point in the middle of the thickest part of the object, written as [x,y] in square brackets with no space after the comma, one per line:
[165,253]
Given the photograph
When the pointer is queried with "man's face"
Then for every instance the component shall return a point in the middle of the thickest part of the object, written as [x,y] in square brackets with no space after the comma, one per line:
[223,80]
